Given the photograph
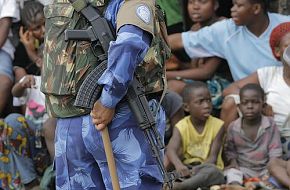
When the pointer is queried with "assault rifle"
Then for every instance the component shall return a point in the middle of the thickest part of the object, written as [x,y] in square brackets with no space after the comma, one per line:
[90,91]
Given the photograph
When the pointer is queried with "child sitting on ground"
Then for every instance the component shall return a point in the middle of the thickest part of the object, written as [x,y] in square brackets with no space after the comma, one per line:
[276,83]
[198,137]
[252,140]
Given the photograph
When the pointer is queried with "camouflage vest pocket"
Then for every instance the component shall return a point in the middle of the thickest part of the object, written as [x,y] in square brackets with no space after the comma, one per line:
[59,55]
[86,61]
[66,63]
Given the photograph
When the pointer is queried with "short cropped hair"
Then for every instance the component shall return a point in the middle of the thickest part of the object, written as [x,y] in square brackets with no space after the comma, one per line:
[254,87]
[264,3]
[189,88]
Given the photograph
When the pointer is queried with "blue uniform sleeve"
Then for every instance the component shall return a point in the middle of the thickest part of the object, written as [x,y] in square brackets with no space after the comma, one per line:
[124,55]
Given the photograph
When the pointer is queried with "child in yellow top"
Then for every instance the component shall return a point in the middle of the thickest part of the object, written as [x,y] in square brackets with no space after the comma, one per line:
[198,137]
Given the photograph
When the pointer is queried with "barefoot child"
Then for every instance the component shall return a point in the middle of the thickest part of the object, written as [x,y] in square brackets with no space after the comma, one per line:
[199,139]
[252,140]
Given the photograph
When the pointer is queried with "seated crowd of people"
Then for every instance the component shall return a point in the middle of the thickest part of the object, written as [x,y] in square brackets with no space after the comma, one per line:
[227,102]
[26,130]
[236,131]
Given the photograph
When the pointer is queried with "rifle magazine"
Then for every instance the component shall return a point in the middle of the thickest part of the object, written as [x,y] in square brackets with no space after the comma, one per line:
[90,91]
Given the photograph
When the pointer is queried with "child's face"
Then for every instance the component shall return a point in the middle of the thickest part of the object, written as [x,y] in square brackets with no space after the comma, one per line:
[201,10]
[251,104]
[243,12]
[37,28]
[200,105]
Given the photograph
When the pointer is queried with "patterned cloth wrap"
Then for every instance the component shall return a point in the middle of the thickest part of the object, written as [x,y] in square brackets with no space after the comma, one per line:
[16,164]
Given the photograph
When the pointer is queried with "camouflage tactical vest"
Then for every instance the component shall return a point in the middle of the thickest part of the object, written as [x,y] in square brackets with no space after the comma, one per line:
[151,72]
[66,64]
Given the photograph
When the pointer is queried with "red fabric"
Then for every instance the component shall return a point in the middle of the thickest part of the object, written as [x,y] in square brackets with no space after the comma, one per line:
[277,34]
[252,179]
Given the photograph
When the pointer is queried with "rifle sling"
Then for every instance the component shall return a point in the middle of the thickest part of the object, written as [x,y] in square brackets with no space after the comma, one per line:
[79,4]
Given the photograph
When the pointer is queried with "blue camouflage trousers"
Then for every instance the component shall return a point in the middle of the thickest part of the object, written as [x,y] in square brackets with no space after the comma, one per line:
[80,158]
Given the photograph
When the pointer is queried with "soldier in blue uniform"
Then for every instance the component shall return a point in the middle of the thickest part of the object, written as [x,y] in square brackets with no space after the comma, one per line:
[140,49]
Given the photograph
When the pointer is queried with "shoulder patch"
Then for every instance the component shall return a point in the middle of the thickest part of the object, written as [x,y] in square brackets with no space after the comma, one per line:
[143,12]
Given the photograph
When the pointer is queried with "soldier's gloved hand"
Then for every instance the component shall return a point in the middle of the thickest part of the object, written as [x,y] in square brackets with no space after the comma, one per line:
[102,115]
